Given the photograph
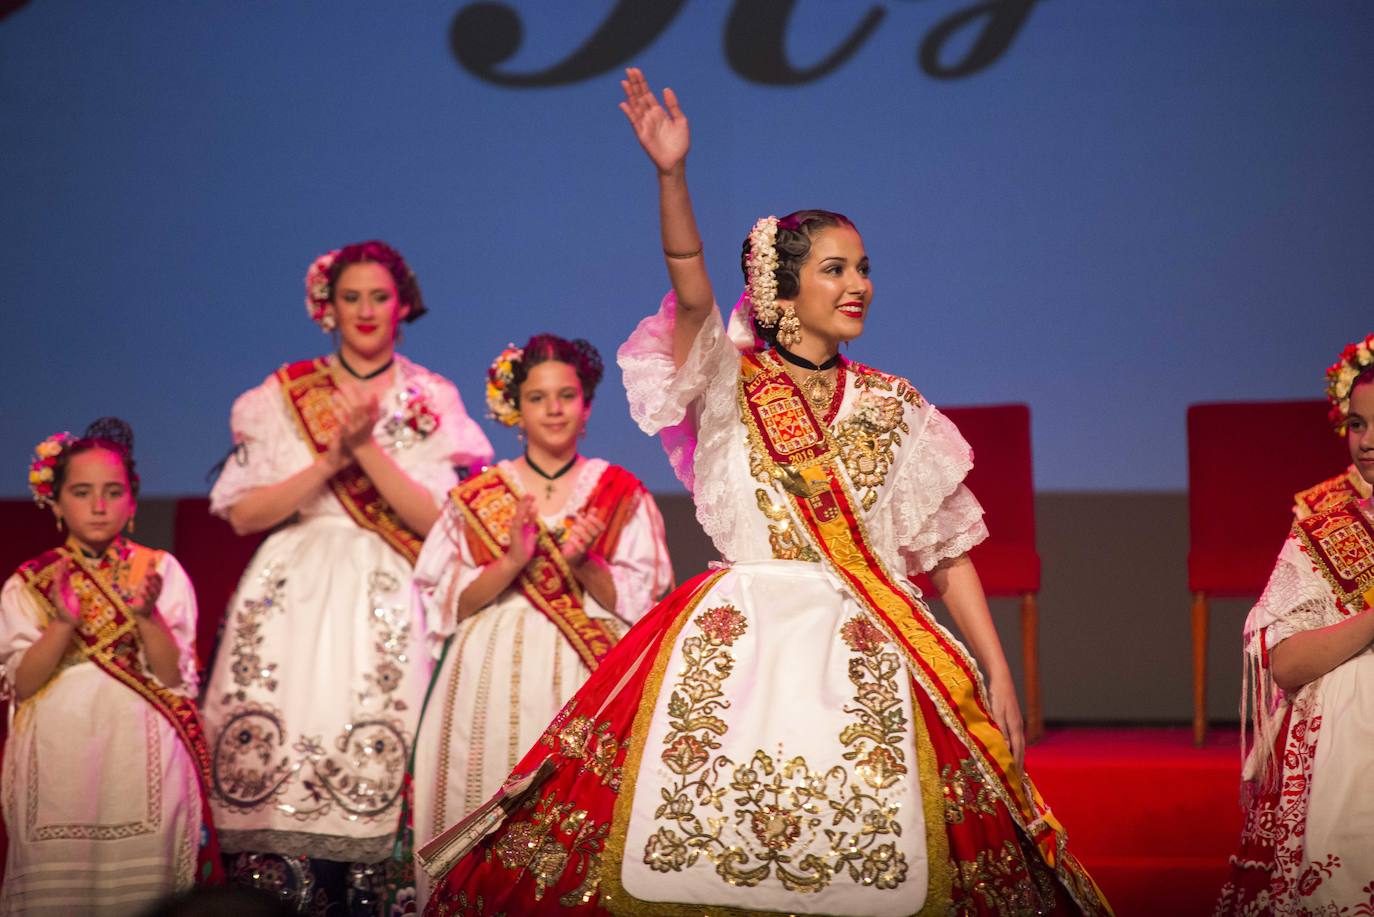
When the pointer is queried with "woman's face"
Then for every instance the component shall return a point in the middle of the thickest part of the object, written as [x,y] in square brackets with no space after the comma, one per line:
[1359,430]
[835,289]
[553,412]
[367,308]
[96,501]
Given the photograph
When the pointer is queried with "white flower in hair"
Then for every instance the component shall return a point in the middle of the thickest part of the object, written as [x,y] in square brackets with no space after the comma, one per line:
[762,282]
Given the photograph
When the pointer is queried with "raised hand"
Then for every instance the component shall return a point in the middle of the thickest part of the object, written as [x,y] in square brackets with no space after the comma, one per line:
[586,528]
[357,411]
[524,533]
[145,601]
[660,129]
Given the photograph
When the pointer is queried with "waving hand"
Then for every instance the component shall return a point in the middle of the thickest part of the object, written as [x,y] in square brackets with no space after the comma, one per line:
[661,129]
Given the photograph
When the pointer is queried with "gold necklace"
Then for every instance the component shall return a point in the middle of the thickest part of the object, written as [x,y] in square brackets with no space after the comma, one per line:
[818,388]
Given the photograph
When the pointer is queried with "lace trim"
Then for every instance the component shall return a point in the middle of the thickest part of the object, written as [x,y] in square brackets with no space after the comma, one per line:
[303,843]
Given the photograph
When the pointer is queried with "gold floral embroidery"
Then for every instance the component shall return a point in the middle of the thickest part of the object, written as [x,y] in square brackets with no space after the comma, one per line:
[462,906]
[556,834]
[597,747]
[799,826]
[868,438]
[1004,881]
[783,537]
[966,792]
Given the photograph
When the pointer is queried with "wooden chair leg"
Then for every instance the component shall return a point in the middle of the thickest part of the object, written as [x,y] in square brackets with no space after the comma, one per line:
[1030,660]
[1199,668]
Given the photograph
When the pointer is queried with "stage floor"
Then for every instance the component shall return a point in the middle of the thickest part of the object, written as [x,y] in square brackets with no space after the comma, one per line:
[1153,818]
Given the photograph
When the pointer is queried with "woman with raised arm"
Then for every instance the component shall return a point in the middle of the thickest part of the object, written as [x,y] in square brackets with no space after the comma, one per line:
[792,733]
[315,693]
[1307,844]
[105,777]
[534,570]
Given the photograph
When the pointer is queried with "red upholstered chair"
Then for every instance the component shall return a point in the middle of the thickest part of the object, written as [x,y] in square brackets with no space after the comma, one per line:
[26,530]
[1007,561]
[1246,460]
[214,558]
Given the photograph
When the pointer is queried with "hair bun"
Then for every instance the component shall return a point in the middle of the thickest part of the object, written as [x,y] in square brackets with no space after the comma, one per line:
[591,361]
[113,430]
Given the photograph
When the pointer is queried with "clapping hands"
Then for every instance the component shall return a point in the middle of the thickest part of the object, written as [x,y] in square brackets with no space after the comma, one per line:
[524,533]
[585,529]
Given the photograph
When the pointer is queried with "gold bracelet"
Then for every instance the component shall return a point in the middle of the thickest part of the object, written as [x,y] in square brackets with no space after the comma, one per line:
[681,256]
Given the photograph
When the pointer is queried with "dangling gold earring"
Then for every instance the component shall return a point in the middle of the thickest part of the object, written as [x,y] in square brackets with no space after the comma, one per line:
[789,327]
[131,525]
[59,524]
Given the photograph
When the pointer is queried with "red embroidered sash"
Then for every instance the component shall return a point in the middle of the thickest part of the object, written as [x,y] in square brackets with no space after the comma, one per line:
[488,502]
[1329,494]
[107,635]
[798,452]
[308,387]
[1341,544]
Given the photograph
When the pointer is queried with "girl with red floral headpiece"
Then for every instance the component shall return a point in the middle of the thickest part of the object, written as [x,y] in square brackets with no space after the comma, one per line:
[1307,844]
[536,568]
[104,790]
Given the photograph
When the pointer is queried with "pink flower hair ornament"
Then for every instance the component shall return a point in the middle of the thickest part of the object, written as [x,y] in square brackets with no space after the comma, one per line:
[318,292]
[43,468]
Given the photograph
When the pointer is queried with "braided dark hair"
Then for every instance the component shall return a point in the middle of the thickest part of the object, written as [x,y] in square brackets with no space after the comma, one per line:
[577,353]
[793,245]
[109,433]
[378,252]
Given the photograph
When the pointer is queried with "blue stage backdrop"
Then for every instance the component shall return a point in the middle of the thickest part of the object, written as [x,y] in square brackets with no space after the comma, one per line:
[1107,210]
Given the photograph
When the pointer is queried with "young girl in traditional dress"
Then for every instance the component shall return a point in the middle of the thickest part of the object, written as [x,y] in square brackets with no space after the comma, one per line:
[314,696]
[794,733]
[1307,845]
[535,569]
[103,778]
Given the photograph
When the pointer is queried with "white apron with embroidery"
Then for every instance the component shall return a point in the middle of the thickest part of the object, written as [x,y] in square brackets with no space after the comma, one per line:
[811,801]
[322,665]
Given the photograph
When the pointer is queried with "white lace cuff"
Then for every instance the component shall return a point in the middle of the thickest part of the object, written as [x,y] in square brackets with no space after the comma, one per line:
[934,516]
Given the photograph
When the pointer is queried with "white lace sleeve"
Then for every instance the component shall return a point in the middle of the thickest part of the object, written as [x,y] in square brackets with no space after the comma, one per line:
[641,569]
[456,442]
[21,624]
[933,515]
[442,571]
[1296,599]
[466,444]
[177,606]
[685,405]
[267,449]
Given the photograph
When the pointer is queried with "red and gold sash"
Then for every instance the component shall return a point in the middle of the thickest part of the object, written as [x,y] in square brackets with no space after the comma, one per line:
[488,502]
[1333,492]
[107,635]
[794,449]
[308,387]
[1341,543]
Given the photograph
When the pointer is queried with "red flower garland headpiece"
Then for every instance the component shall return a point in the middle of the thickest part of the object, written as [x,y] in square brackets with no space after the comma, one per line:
[1341,375]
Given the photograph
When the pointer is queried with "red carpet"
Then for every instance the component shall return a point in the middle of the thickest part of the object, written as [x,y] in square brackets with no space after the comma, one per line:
[1153,818]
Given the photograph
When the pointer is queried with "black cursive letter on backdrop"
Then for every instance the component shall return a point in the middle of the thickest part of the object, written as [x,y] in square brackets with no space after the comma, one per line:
[485,34]
[1004,20]
[754,36]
